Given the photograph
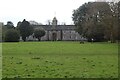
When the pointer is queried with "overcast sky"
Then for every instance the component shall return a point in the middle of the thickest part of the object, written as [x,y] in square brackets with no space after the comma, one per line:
[38,10]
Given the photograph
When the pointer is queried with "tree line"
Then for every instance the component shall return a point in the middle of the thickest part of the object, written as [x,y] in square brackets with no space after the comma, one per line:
[98,20]
[23,29]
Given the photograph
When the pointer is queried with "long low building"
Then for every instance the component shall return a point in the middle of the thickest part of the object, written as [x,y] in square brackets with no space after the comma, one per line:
[57,32]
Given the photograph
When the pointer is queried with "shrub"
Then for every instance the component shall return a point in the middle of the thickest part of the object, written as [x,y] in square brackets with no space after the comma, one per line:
[12,35]
[38,33]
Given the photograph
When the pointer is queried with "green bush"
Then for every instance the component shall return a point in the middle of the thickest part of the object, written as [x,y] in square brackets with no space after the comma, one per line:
[12,35]
[38,33]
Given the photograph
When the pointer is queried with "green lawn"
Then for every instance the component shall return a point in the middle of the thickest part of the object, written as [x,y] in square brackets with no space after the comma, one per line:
[60,60]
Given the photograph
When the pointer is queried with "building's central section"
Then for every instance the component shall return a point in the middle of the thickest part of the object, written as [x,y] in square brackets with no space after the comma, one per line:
[56,32]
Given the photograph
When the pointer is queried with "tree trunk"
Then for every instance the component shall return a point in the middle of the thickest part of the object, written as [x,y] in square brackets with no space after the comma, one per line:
[112,40]
[24,39]
[39,39]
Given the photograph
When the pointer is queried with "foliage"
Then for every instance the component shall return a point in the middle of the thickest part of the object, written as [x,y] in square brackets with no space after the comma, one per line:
[60,60]
[9,25]
[5,28]
[97,20]
[12,35]
[18,25]
[25,29]
[119,20]
[38,33]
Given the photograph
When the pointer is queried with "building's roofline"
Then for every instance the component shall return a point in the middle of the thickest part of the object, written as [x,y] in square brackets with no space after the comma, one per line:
[58,27]
[51,25]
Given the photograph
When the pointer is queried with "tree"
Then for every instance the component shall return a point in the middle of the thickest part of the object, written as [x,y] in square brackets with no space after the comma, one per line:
[38,33]
[1,25]
[10,25]
[25,29]
[6,27]
[12,35]
[119,20]
[93,20]
[110,20]
[18,24]
[4,30]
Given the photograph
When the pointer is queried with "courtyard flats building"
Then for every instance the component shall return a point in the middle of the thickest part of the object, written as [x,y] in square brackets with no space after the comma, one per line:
[57,32]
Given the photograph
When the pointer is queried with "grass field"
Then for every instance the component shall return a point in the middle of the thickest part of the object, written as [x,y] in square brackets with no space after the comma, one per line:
[60,60]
